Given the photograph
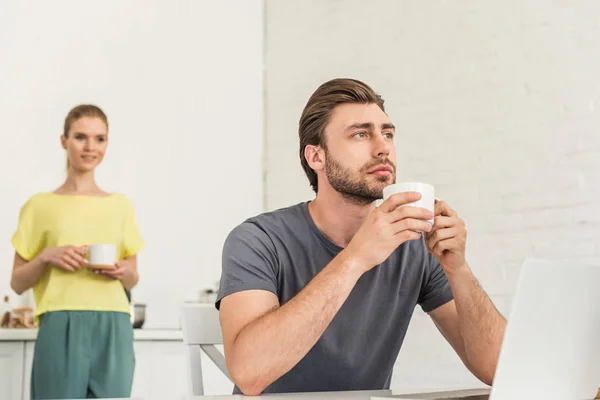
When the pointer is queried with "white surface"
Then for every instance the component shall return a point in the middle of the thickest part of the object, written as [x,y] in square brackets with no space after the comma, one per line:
[28,362]
[201,332]
[200,324]
[181,83]
[167,392]
[433,394]
[160,371]
[353,395]
[551,345]
[11,370]
[421,393]
[495,104]
[138,334]
[157,334]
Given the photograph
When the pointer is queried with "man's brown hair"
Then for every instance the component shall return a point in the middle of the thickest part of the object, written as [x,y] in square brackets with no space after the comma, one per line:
[319,108]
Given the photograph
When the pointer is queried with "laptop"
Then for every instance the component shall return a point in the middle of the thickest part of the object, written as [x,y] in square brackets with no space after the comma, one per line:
[551,346]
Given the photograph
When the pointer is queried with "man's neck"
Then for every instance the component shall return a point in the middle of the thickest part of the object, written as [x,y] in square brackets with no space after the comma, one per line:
[337,218]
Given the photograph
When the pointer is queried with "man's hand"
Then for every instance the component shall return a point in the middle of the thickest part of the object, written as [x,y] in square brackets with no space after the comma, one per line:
[448,238]
[387,227]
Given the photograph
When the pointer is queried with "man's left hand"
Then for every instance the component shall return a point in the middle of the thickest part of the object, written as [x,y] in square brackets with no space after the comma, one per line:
[448,238]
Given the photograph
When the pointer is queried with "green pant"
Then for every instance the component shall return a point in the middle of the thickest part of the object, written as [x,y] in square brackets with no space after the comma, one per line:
[83,354]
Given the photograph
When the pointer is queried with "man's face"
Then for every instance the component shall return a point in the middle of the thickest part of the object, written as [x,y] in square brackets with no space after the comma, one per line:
[360,156]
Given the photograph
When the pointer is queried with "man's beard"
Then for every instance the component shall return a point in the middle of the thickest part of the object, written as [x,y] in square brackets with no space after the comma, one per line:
[359,190]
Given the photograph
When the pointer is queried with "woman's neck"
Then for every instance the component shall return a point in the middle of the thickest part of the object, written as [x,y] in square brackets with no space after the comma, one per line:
[80,183]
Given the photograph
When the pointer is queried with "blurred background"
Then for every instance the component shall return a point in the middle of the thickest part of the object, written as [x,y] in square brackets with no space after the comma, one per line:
[495,104]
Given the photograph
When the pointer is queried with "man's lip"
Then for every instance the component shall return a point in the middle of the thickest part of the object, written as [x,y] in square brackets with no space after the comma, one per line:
[381,168]
[382,172]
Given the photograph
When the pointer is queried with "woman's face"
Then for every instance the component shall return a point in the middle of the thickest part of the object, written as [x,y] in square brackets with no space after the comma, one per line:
[86,143]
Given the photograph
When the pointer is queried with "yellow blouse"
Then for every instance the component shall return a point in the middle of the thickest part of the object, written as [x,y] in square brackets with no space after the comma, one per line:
[54,220]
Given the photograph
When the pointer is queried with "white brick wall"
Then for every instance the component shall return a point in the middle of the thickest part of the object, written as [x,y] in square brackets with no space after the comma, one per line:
[496,106]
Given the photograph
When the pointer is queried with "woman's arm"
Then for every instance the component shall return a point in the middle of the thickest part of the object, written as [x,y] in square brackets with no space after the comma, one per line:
[25,273]
[125,271]
[130,277]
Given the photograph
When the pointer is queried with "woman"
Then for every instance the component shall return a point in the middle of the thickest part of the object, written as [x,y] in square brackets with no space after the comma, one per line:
[84,346]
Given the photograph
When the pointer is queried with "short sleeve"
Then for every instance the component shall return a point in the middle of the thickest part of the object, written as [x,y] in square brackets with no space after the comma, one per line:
[132,238]
[435,289]
[28,239]
[249,262]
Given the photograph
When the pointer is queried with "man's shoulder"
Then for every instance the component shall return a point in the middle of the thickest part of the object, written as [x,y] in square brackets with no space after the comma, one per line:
[271,223]
[276,219]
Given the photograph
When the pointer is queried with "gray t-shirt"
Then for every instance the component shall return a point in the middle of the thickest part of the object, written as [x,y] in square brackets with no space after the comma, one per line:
[282,251]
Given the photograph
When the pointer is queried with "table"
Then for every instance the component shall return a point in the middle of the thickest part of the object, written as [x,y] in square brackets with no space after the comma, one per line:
[354,395]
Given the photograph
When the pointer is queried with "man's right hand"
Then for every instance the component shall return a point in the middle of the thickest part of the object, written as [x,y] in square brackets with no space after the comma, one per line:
[69,258]
[387,227]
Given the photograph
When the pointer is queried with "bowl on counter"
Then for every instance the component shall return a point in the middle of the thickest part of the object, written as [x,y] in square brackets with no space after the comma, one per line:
[138,314]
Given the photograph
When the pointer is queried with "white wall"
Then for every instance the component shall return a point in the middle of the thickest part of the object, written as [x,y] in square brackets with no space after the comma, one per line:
[181,82]
[495,104]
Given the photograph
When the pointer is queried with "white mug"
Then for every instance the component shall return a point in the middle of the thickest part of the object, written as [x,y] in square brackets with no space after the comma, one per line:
[102,256]
[427,194]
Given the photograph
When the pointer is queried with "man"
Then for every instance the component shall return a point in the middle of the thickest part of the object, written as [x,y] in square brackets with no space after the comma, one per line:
[318,296]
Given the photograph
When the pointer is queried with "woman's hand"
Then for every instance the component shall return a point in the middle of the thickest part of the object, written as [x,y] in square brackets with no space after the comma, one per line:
[122,268]
[125,271]
[68,258]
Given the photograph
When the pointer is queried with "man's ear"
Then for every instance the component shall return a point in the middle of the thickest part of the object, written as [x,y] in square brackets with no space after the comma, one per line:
[315,156]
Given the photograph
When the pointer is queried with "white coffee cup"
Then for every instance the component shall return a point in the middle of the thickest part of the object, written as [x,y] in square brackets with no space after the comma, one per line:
[427,194]
[102,256]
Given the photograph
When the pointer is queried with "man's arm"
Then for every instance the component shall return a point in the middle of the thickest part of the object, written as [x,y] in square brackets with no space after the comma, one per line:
[264,341]
[472,325]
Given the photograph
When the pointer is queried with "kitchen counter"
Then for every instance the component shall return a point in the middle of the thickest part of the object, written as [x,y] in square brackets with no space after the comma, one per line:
[160,354]
[17,335]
